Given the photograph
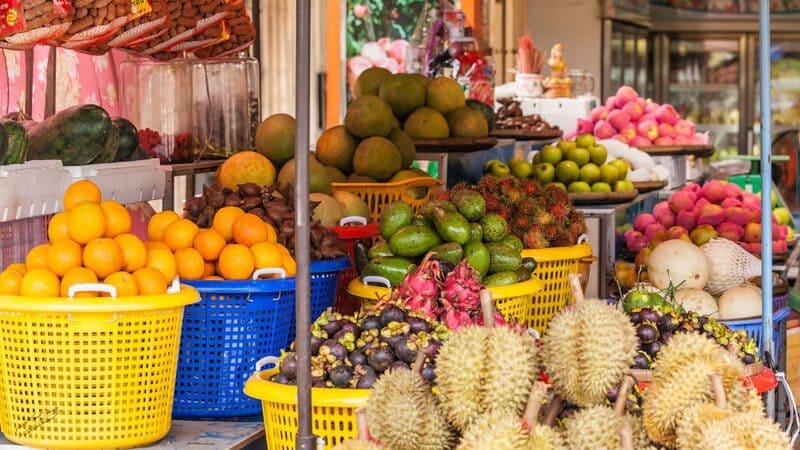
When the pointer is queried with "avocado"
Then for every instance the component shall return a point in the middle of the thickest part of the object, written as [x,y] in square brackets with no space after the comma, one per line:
[413,240]
[512,241]
[379,250]
[477,256]
[503,258]
[450,252]
[395,216]
[500,279]
[392,268]
[427,209]
[451,226]
[469,203]
[523,273]
[495,227]
[475,232]
[422,221]
[529,263]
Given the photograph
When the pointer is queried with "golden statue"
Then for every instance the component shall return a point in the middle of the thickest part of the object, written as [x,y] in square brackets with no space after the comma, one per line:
[558,84]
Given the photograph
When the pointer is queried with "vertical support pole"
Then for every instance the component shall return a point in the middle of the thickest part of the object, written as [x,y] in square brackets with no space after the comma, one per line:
[766,189]
[305,438]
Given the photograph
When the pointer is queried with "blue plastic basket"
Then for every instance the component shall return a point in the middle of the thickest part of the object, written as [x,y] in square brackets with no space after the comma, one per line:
[234,324]
[753,329]
[324,282]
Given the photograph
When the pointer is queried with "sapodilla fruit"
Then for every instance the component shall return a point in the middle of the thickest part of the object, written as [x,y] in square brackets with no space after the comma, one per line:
[587,349]
[403,414]
[483,370]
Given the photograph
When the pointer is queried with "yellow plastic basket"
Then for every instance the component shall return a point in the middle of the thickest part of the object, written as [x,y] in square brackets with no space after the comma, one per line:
[553,267]
[89,373]
[513,301]
[379,194]
[333,410]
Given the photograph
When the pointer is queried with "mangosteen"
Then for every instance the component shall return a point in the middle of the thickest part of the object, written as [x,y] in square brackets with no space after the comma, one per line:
[665,337]
[749,359]
[446,266]
[347,325]
[319,384]
[380,358]
[366,381]
[652,348]
[429,372]
[315,344]
[647,332]
[433,348]
[641,361]
[612,394]
[371,323]
[281,379]
[344,335]
[392,314]
[289,365]
[405,352]
[398,365]
[635,317]
[419,325]
[340,375]
[357,357]
[393,340]
[701,321]
[668,323]
[333,349]
[332,327]
[649,314]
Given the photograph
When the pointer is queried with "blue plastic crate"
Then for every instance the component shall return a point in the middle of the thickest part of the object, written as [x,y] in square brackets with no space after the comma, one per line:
[234,324]
[753,329]
[324,282]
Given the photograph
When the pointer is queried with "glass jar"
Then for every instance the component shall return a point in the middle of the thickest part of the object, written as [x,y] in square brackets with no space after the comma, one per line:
[157,98]
[225,105]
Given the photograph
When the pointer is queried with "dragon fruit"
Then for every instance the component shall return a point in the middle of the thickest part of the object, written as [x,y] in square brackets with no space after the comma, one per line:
[420,288]
[462,287]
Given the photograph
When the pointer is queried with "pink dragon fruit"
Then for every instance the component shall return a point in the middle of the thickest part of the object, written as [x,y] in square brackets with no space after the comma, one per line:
[462,287]
[420,289]
[456,318]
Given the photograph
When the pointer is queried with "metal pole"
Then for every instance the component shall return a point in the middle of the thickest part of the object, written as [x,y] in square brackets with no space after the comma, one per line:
[766,190]
[305,439]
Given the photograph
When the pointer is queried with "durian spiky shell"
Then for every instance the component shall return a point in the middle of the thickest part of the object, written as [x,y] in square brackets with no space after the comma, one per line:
[403,415]
[587,350]
[761,432]
[593,428]
[707,426]
[358,444]
[510,369]
[542,437]
[459,377]
[745,399]
[495,431]
[691,425]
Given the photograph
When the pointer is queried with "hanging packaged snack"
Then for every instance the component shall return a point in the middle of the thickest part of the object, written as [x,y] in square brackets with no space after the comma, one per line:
[94,22]
[193,18]
[35,22]
[12,19]
[241,30]
[147,20]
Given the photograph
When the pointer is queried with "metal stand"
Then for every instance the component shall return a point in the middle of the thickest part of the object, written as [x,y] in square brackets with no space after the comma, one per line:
[189,170]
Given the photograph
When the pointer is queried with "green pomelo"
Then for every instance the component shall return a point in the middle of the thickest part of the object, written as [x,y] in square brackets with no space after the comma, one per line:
[319,180]
[275,138]
[369,81]
[404,143]
[378,158]
[403,94]
[335,148]
[426,123]
[369,116]
[467,122]
[444,95]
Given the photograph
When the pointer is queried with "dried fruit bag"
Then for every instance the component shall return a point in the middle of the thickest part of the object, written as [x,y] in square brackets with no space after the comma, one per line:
[43,21]
[241,33]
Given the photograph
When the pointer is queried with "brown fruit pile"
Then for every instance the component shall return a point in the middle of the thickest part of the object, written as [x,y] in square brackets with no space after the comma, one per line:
[272,207]
[509,117]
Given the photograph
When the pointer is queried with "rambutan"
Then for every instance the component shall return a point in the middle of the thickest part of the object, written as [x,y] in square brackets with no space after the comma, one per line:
[555,195]
[531,187]
[521,222]
[534,238]
[551,231]
[492,202]
[543,217]
[527,205]
[560,212]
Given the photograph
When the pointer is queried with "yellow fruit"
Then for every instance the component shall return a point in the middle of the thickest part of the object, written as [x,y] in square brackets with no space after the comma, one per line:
[213,278]
[39,283]
[290,265]
[163,261]
[81,191]
[272,235]
[224,218]
[150,245]
[158,224]
[118,219]
[64,255]
[58,228]
[37,257]
[180,234]
[10,282]
[18,267]
[124,282]
[103,256]
[190,264]
[246,167]
[86,222]
[134,252]
[208,270]
[150,281]
[235,262]
[78,275]
[249,229]
[209,242]
[284,250]
[266,254]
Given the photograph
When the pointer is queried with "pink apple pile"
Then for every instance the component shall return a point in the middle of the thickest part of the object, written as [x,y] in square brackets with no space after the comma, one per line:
[699,213]
[386,53]
[639,122]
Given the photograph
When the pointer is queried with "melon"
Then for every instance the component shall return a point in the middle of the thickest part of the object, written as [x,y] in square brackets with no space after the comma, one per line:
[328,212]
[351,204]
[697,300]
[678,261]
[245,167]
[740,302]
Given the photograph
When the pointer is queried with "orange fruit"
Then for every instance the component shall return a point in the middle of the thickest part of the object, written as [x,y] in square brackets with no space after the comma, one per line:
[19,267]
[224,218]
[118,219]
[78,275]
[103,256]
[284,250]
[249,229]
[266,254]
[272,235]
[86,222]
[209,242]
[81,191]
[39,283]
[124,282]
[134,252]
[163,261]
[180,234]
[213,278]
[190,264]
[58,228]
[158,223]
[208,270]
[290,265]
[150,245]
[150,281]
[64,255]
[37,257]
[10,282]
[235,262]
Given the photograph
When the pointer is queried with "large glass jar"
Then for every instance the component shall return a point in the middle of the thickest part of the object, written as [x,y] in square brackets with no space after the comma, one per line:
[157,98]
[225,105]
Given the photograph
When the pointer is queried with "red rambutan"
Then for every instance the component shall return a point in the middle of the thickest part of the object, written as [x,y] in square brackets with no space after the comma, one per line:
[551,231]
[560,212]
[531,187]
[492,202]
[533,238]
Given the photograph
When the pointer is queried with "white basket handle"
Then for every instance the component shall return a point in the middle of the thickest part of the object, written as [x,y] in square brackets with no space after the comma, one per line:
[92,287]
[377,279]
[266,360]
[793,427]
[269,271]
[353,219]
[175,287]
[583,238]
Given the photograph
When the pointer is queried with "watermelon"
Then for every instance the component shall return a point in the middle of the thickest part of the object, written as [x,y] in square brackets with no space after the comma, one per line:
[76,135]
[17,142]
[128,138]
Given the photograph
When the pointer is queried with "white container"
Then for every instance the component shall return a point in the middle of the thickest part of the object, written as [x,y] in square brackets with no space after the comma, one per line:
[528,85]
[126,182]
[677,169]
[32,189]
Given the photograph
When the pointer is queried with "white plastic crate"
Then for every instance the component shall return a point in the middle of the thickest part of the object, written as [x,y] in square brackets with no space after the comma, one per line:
[32,189]
[126,182]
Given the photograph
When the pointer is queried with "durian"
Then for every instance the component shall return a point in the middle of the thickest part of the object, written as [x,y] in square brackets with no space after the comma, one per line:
[540,437]
[403,414]
[485,370]
[362,442]
[681,380]
[587,349]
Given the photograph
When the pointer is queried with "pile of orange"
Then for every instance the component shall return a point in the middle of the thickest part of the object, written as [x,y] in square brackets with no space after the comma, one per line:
[235,246]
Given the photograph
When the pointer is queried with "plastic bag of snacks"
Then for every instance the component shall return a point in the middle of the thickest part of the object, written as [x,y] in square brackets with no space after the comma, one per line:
[94,22]
[147,20]
[241,29]
[194,17]
[36,22]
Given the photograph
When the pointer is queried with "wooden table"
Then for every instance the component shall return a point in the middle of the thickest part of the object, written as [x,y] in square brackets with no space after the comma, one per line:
[196,435]
[189,170]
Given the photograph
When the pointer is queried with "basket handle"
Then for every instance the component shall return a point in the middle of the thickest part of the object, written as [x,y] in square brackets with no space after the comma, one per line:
[583,238]
[266,360]
[92,287]
[269,271]
[378,280]
[353,219]
[175,286]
